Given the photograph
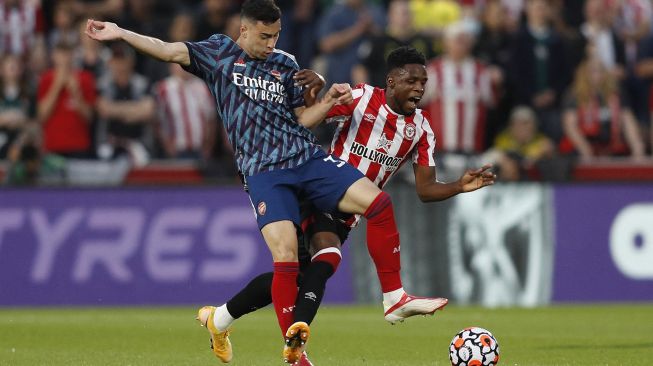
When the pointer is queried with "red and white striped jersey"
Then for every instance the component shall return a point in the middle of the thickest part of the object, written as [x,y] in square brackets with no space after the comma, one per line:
[19,25]
[458,95]
[376,140]
[185,108]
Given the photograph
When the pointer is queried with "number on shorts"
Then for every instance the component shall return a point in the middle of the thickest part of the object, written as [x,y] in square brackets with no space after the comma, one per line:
[339,163]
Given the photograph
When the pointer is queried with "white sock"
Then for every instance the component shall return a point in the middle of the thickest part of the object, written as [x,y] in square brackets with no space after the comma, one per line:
[392,297]
[222,319]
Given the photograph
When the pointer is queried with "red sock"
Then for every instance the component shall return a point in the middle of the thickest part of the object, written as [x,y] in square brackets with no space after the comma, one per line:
[383,242]
[284,292]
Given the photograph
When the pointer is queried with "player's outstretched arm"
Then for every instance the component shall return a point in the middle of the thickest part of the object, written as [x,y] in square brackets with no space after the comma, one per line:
[430,190]
[313,115]
[176,52]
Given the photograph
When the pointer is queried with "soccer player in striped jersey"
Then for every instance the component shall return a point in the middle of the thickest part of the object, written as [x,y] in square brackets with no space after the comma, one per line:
[264,115]
[377,133]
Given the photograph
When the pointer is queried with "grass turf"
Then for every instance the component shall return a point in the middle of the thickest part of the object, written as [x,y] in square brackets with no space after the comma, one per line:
[559,335]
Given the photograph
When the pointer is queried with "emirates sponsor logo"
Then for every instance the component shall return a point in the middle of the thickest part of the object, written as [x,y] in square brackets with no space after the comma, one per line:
[260,89]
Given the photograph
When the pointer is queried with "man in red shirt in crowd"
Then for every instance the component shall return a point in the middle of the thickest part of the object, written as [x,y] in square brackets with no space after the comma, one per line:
[66,98]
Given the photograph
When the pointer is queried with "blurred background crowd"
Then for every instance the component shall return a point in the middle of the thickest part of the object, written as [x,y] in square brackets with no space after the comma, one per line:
[533,86]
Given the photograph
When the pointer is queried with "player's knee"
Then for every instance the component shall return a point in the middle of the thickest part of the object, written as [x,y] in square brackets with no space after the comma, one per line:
[284,254]
[381,203]
[323,240]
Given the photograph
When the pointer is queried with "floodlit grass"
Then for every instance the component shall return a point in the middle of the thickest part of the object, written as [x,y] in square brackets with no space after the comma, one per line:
[559,335]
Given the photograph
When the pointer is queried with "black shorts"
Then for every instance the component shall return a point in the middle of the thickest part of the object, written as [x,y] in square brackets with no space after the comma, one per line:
[314,221]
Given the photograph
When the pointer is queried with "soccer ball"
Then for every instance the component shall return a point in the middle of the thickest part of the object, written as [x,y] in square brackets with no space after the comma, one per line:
[474,347]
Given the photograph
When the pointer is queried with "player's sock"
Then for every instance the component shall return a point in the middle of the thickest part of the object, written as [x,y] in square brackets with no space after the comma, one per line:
[222,319]
[383,242]
[392,297]
[257,294]
[284,292]
[323,265]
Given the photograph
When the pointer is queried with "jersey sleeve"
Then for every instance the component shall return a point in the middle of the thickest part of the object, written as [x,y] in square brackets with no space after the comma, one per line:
[348,109]
[295,92]
[424,150]
[204,57]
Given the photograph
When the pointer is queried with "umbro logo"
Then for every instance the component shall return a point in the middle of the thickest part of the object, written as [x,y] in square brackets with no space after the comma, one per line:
[240,62]
[369,117]
[396,250]
[310,296]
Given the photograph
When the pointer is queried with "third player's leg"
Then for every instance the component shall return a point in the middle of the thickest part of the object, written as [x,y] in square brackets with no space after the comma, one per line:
[325,258]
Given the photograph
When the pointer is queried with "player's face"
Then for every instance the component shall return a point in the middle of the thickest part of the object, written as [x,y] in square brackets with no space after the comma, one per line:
[406,88]
[259,38]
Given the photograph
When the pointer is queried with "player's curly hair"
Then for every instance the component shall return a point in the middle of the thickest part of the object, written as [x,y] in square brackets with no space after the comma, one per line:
[404,55]
[265,11]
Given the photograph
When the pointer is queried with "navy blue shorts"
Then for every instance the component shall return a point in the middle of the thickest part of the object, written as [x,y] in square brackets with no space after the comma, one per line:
[322,180]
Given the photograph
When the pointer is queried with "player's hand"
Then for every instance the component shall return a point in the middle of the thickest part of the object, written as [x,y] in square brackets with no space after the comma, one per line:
[311,80]
[479,178]
[102,31]
[341,93]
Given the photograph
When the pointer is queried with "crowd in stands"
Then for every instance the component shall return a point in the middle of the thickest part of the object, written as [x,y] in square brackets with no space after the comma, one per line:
[522,84]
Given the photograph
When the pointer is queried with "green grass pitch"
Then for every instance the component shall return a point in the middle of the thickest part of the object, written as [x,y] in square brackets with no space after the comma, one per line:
[558,335]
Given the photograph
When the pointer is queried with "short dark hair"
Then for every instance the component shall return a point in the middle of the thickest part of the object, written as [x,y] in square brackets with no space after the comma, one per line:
[404,55]
[265,11]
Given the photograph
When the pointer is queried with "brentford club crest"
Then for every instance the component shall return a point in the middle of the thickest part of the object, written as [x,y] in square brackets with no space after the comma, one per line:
[276,74]
[261,208]
[409,131]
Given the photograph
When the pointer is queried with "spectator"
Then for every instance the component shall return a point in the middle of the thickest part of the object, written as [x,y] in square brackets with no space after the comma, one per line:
[538,67]
[632,24]
[298,36]
[433,16]
[342,30]
[596,120]
[187,117]
[66,98]
[99,8]
[30,165]
[21,27]
[141,17]
[459,91]
[125,109]
[597,32]
[65,26]
[494,40]
[16,107]
[212,17]
[399,32]
[521,145]
[493,47]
